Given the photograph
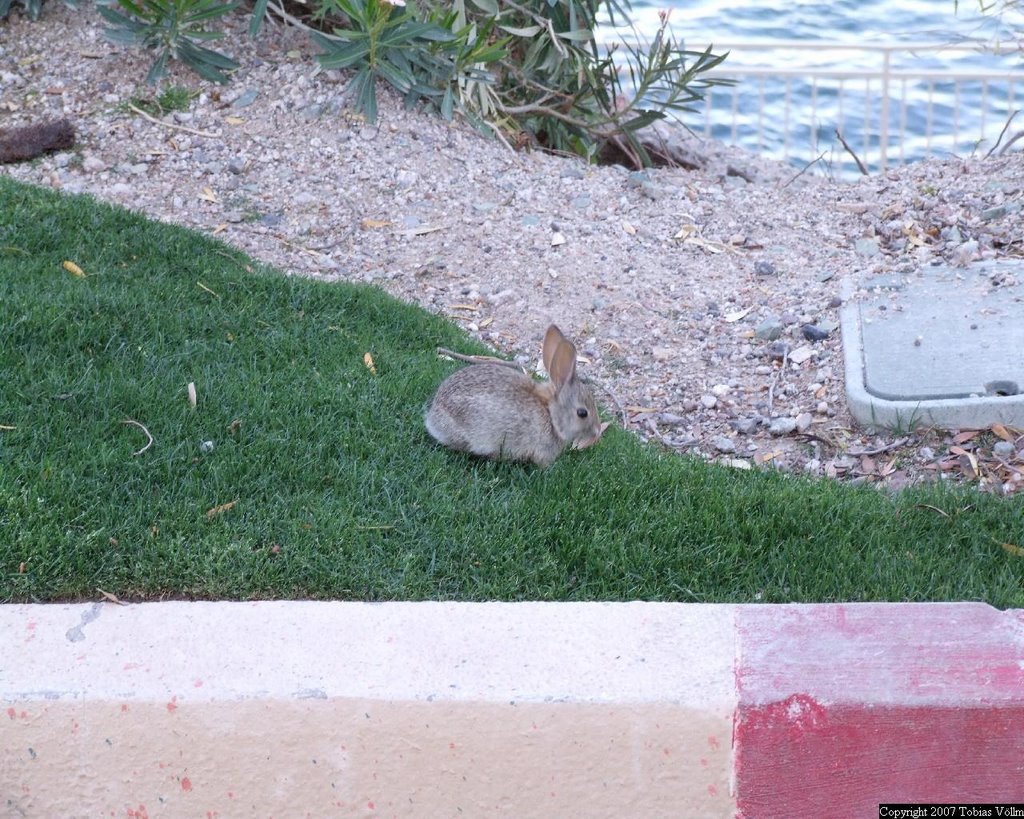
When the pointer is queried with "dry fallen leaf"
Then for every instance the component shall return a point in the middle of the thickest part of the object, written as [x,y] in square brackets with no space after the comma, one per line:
[208,195]
[557,239]
[374,224]
[368,361]
[192,393]
[933,508]
[7,427]
[1011,548]
[736,316]
[626,226]
[234,120]
[1002,432]
[73,269]
[965,436]
[217,510]
[111,597]
[970,459]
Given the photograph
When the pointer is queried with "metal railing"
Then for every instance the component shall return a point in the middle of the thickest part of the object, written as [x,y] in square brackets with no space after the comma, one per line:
[909,101]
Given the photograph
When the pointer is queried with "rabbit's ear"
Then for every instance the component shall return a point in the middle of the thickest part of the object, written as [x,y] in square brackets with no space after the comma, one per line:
[552,338]
[562,368]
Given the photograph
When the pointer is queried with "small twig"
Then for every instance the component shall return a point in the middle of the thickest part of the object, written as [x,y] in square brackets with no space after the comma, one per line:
[1002,133]
[130,422]
[775,381]
[849,150]
[811,438]
[500,136]
[156,121]
[288,18]
[887,448]
[478,359]
[803,170]
[1006,147]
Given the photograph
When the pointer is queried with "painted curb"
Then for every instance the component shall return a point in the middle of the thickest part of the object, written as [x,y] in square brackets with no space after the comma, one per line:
[529,709]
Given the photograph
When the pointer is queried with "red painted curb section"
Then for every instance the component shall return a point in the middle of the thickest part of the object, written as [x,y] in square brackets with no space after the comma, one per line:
[842,707]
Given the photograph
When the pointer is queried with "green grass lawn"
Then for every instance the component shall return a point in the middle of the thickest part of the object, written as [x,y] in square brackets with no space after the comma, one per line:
[338,491]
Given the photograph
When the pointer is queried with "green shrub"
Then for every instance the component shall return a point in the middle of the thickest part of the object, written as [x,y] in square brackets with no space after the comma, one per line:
[33,8]
[174,29]
[532,69]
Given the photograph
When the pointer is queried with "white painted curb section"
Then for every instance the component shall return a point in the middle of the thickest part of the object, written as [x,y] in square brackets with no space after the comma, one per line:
[293,709]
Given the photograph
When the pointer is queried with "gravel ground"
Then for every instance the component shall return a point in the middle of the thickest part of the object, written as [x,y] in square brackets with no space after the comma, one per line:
[682,288]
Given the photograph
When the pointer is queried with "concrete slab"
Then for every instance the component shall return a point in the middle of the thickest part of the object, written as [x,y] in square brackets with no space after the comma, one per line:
[941,347]
[293,709]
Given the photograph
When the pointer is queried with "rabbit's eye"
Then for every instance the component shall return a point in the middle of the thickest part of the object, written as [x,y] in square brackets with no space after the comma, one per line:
[581,412]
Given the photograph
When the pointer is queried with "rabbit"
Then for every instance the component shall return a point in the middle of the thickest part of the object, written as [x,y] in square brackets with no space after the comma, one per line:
[495,410]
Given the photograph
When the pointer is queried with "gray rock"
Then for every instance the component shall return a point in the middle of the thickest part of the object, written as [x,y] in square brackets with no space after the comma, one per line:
[530,220]
[764,268]
[708,401]
[637,178]
[813,333]
[989,214]
[501,296]
[803,422]
[867,247]
[670,419]
[573,172]
[745,426]
[247,97]
[652,191]
[1004,449]
[93,164]
[768,330]
[723,444]
[782,426]
[582,201]
[406,179]
[236,165]
[777,351]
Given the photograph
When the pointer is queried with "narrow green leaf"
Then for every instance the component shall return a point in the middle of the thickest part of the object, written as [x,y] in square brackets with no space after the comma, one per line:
[259,11]
[524,31]
[487,6]
[580,35]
